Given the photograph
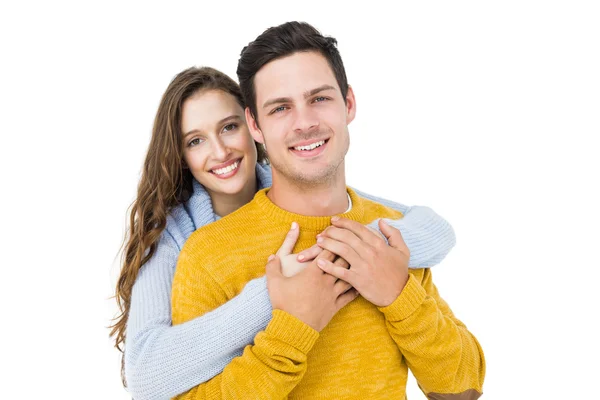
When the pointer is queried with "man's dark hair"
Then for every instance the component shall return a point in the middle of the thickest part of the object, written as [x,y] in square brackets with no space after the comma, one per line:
[281,41]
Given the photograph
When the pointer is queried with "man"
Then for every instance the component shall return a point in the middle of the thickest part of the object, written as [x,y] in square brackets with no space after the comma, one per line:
[321,343]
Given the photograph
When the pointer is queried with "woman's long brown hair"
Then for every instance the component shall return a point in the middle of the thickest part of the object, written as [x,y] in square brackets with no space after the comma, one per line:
[164,183]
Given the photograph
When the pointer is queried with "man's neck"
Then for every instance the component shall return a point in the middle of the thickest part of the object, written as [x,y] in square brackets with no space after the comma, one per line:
[321,200]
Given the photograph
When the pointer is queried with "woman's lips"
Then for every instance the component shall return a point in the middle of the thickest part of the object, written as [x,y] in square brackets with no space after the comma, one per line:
[227,170]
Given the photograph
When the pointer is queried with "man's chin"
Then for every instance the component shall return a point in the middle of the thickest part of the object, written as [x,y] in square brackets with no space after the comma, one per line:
[304,173]
[312,178]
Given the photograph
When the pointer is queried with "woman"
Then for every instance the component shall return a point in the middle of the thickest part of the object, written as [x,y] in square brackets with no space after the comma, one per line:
[202,164]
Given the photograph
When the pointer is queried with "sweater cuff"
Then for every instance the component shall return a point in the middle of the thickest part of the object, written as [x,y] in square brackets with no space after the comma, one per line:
[292,331]
[411,298]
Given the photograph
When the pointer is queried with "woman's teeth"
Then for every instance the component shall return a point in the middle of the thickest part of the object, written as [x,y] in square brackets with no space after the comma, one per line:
[310,146]
[227,169]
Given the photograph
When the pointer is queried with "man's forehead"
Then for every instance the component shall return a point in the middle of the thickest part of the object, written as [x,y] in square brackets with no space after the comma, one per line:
[293,75]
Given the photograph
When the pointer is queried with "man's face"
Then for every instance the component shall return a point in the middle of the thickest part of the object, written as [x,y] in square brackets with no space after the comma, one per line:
[303,118]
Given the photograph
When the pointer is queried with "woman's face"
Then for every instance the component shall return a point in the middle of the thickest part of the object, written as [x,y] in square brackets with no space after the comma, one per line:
[218,148]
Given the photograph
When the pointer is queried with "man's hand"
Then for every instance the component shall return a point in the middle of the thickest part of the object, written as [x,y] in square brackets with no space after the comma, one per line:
[379,271]
[291,264]
[310,295]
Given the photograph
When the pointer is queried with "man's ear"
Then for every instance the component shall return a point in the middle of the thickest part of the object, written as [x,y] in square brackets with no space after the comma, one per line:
[350,105]
[253,127]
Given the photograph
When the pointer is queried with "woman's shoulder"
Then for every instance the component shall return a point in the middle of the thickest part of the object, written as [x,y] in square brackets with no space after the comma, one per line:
[197,211]
[180,225]
[186,217]
[263,175]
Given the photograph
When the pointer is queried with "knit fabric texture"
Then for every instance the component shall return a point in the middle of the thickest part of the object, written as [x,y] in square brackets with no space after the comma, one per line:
[363,353]
[162,361]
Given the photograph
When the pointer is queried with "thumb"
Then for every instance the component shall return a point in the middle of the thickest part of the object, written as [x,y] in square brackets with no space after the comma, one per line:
[393,235]
[273,267]
[290,240]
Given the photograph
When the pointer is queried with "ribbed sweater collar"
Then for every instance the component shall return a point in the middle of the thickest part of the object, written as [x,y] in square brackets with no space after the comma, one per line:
[279,215]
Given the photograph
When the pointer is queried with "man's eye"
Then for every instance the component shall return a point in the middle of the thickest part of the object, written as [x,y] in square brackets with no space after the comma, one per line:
[229,127]
[278,109]
[319,99]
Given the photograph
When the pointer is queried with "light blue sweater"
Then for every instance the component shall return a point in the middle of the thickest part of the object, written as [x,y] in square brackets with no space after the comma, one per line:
[162,361]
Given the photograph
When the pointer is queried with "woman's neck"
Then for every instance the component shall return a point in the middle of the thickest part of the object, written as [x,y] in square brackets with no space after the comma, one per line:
[224,204]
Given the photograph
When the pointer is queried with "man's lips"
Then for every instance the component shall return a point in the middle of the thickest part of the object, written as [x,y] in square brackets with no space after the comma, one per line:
[308,143]
[312,149]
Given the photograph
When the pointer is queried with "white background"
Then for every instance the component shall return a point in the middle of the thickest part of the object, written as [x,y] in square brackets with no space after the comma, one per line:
[486,112]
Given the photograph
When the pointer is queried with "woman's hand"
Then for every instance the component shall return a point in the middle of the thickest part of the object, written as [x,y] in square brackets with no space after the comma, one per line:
[291,264]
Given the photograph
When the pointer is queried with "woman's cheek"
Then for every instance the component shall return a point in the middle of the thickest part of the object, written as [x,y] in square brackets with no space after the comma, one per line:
[240,142]
[196,158]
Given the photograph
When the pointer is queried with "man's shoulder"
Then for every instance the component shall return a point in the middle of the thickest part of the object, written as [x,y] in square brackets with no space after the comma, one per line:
[374,210]
[226,231]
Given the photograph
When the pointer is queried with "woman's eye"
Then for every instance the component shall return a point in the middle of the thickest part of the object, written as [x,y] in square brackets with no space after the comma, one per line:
[194,142]
[229,127]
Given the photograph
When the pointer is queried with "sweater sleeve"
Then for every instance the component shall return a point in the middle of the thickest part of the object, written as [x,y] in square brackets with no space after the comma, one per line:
[445,358]
[428,236]
[161,360]
[268,369]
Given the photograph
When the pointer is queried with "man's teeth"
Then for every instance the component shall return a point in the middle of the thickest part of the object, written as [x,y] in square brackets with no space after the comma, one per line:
[310,146]
[227,169]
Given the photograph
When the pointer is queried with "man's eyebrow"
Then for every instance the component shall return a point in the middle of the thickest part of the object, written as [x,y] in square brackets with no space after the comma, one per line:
[307,94]
[233,117]
[277,101]
[318,90]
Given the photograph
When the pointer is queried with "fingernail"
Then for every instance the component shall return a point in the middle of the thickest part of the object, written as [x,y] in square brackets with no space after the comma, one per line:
[294,225]
[301,257]
[272,256]
[320,240]
[321,262]
[336,218]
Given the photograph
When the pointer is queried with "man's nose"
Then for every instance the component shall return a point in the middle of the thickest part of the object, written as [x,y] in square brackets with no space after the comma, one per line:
[306,120]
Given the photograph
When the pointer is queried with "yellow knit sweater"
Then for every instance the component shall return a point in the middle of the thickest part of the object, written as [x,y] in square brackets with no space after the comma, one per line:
[363,353]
